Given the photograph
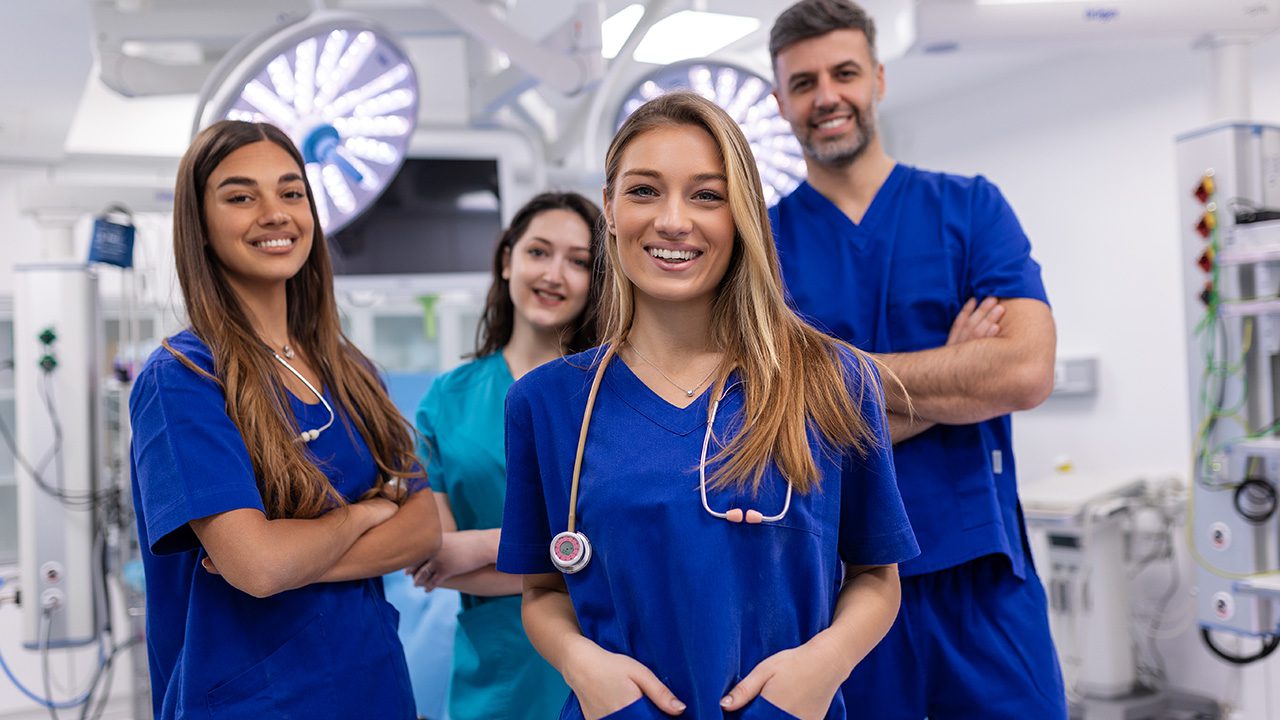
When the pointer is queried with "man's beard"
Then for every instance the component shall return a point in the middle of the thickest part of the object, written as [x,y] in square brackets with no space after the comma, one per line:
[843,152]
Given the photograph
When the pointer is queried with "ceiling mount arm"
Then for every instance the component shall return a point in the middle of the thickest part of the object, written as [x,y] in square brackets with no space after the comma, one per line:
[567,61]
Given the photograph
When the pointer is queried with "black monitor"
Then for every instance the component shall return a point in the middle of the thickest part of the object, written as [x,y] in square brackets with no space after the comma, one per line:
[439,215]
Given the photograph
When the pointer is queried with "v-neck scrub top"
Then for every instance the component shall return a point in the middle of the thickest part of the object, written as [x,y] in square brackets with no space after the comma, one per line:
[496,672]
[326,650]
[895,283]
[700,601]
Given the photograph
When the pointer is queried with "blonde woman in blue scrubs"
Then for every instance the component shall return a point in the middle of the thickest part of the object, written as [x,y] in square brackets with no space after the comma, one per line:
[539,307]
[705,508]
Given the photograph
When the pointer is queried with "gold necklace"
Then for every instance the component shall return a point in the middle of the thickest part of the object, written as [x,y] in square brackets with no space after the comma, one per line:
[650,363]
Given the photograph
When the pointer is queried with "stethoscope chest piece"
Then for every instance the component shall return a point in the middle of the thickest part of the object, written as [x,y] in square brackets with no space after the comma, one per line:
[570,551]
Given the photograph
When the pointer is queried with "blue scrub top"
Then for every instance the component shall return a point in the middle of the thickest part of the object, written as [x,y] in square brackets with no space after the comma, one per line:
[327,650]
[895,283]
[699,600]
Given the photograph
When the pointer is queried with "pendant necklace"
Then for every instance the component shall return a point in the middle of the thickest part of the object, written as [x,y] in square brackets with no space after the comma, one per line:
[687,393]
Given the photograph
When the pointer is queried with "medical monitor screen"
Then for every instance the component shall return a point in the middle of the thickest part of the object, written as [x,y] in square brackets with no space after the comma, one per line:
[437,216]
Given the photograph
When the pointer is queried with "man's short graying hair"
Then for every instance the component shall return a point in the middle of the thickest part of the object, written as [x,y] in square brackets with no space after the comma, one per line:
[811,18]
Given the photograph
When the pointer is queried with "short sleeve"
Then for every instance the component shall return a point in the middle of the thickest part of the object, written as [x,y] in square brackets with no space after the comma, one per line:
[1000,262]
[526,534]
[874,529]
[428,445]
[189,458]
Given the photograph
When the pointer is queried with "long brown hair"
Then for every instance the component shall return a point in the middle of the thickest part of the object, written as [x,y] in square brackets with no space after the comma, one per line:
[498,321]
[292,485]
[794,375]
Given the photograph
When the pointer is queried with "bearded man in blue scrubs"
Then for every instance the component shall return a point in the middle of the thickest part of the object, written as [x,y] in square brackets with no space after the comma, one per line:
[933,273]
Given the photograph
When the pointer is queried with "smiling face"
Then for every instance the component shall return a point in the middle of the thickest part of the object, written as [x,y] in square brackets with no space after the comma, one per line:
[257,217]
[549,270]
[670,214]
[828,87]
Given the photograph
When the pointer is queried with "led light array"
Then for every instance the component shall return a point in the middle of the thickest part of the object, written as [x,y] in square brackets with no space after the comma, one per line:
[349,99]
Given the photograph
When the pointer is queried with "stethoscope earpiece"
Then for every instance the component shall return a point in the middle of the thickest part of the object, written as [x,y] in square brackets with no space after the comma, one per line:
[751,517]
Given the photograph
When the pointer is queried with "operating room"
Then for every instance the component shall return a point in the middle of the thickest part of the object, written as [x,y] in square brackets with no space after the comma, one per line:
[1137,142]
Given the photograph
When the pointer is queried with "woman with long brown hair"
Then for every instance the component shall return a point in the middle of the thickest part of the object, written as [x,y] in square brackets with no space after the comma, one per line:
[541,305]
[704,509]
[273,479]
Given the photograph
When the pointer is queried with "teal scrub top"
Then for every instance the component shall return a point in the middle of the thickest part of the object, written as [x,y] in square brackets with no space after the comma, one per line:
[496,671]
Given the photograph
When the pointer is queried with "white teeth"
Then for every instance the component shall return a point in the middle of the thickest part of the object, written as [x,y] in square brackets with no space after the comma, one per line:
[833,122]
[664,254]
[548,295]
[281,242]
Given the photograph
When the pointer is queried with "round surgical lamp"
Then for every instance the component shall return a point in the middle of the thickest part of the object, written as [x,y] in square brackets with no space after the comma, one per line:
[748,99]
[341,87]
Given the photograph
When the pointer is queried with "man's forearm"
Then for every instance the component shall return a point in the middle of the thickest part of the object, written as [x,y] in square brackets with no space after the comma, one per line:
[904,427]
[979,379]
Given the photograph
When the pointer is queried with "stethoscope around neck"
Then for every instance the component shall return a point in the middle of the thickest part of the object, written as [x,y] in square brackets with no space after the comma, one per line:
[571,551]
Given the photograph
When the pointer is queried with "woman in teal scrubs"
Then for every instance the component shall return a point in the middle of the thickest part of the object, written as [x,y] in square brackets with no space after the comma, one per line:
[539,308]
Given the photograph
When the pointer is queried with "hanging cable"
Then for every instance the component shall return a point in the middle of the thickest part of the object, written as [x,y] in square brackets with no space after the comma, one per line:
[1269,645]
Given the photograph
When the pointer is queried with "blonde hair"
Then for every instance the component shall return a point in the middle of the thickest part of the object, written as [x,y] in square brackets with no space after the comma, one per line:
[794,375]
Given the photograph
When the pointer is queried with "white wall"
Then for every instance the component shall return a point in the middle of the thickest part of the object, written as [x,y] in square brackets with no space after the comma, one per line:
[1084,150]
[18,233]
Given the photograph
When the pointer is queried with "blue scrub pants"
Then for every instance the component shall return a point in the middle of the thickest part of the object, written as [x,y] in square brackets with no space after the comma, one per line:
[970,642]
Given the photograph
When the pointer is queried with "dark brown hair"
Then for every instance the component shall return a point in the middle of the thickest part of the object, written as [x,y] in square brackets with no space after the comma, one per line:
[498,321]
[291,483]
[812,18]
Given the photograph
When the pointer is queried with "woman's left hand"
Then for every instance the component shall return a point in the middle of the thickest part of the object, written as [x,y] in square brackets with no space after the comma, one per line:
[460,553]
[801,681]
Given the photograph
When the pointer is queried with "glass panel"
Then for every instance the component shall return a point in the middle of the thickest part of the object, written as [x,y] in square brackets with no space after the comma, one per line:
[8,521]
[8,489]
[7,410]
[6,354]
[400,344]
[470,322]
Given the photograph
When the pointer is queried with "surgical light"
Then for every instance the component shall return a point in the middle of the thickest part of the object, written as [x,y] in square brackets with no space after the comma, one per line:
[344,91]
[748,99]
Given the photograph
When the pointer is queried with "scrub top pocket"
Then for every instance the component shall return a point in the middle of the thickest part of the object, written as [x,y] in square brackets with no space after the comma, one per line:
[641,709]
[762,709]
[289,683]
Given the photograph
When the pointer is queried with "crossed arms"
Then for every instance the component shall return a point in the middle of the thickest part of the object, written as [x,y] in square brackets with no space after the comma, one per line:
[365,539]
[998,359]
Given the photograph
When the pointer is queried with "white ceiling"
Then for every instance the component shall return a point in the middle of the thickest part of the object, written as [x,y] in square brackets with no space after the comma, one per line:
[45,60]
[48,57]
